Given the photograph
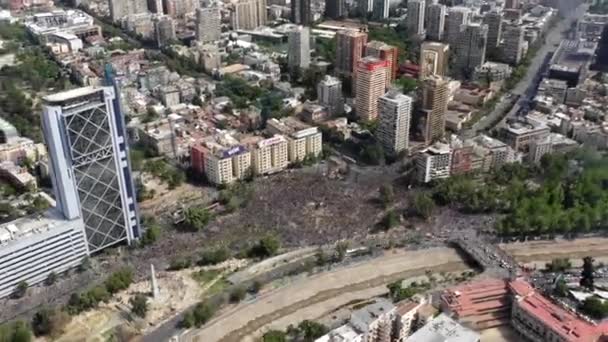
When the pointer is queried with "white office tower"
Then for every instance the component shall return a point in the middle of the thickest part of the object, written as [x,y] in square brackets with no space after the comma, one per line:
[457,16]
[329,94]
[470,50]
[435,18]
[208,24]
[394,111]
[415,17]
[299,48]
[89,162]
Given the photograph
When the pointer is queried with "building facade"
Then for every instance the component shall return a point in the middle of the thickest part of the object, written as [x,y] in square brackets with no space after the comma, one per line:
[208,24]
[350,46]
[513,44]
[329,95]
[33,248]
[298,55]
[434,59]
[457,16]
[387,53]
[86,136]
[164,30]
[370,85]
[470,50]
[435,99]
[335,9]
[415,17]
[494,21]
[435,22]
[394,111]
[301,12]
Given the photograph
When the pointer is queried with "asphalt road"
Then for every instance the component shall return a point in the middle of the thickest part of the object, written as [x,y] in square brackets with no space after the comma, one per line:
[526,88]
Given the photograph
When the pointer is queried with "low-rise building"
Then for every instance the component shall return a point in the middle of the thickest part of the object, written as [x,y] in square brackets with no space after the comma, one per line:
[521,133]
[434,163]
[304,140]
[538,319]
[443,328]
[374,321]
[557,89]
[17,175]
[406,315]
[31,248]
[492,72]
[481,305]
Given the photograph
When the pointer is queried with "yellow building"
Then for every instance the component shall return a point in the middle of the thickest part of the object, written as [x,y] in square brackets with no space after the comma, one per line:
[303,140]
[224,165]
[270,155]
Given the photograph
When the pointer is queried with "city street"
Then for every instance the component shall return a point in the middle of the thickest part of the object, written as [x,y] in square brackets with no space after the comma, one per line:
[527,86]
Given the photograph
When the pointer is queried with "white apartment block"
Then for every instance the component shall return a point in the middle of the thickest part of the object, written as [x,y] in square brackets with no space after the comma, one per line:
[270,155]
[395,111]
[303,140]
[224,165]
[32,248]
[434,163]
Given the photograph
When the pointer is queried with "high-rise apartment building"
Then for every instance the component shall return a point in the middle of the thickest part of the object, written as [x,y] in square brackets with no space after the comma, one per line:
[387,53]
[470,49]
[335,9]
[435,19]
[394,111]
[512,47]
[435,99]
[298,55]
[89,160]
[434,59]
[494,21]
[164,30]
[415,17]
[349,50]
[301,13]
[512,4]
[329,95]
[119,9]
[208,24]
[262,12]
[365,7]
[180,8]
[457,16]
[270,155]
[303,140]
[380,10]
[245,15]
[156,6]
[370,85]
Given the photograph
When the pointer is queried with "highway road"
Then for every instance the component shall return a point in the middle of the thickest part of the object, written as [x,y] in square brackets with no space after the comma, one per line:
[526,88]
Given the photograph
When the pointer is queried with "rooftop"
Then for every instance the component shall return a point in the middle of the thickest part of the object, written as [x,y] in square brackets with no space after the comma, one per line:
[563,322]
[362,318]
[442,329]
[29,226]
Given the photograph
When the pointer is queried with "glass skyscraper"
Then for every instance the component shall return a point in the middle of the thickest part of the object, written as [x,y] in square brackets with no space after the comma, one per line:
[85,132]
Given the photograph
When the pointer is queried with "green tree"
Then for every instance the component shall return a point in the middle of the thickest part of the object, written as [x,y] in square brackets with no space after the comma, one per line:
[341,248]
[312,330]
[423,205]
[237,294]
[151,235]
[51,279]
[274,336]
[558,265]
[15,332]
[196,218]
[119,280]
[139,305]
[21,289]
[386,194]
[214,256]
[266,247]
[587,275]
[594,307]
[390,220]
